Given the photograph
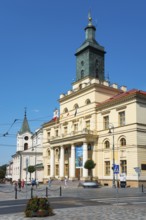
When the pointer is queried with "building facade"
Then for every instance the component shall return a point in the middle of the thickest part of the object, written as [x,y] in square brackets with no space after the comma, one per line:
[87,112]
[28,153]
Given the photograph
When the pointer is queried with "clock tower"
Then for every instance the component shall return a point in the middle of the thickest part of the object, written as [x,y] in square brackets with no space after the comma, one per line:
[90,56]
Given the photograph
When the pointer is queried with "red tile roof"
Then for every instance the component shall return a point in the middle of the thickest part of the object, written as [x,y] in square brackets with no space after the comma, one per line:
[122,95]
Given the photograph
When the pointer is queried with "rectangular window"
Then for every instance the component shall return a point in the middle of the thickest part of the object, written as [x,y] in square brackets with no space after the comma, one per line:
[143,166]
[66,169]
[107,168]
[123,166]
[56,133]
[75,127]
[106,122]
[88,125]
[65,130]
[121,118]
[48,170]
[57,170]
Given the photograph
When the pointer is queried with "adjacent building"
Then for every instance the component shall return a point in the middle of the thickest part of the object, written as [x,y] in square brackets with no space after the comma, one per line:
[28,153]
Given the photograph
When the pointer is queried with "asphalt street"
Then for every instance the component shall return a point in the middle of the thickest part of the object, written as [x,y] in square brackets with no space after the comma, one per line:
[77,203]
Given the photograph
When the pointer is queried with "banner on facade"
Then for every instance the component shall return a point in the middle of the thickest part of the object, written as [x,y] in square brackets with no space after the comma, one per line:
[79,156]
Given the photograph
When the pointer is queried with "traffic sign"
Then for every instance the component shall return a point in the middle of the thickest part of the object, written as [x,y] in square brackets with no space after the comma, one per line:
[137,169]
[116,169]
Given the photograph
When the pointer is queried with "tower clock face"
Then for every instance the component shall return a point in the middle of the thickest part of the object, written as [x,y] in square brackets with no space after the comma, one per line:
[26,138]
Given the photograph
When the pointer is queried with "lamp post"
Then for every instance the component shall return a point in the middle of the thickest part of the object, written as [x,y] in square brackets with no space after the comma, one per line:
[111,131]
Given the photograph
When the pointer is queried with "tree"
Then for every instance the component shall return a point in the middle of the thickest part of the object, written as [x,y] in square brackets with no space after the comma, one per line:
[31,169]
[2,174]
[89,165]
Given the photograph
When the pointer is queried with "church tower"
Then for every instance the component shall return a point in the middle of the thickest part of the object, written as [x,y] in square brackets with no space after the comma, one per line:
[24,137]
[90,56]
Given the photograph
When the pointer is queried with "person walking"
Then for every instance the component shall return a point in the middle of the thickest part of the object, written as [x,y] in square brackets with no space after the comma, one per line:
[49,182]
[19,184]
[65,181]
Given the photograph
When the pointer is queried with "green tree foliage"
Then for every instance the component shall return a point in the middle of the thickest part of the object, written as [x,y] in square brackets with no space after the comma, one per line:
[2,174]
[2,171]
[89,165]
[31,169]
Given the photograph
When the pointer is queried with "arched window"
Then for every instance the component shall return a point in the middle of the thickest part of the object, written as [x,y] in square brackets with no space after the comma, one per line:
[107,144]
[76,106]
[122,142]
[65,110]
[87,101]
[82,73]
[25,146]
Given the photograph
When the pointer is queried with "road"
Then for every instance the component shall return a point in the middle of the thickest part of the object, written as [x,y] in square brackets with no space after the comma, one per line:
[72,197]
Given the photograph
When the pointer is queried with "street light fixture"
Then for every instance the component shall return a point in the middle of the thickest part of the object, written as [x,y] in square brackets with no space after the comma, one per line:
[34,148]
[111,131]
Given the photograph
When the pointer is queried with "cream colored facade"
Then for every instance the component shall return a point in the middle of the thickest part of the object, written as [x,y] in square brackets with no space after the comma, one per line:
[81,131]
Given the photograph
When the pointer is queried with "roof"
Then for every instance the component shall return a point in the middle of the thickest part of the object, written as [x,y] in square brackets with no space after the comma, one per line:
[25,126]
[122,96]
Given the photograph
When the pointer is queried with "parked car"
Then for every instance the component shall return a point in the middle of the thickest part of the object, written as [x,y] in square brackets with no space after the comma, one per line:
[90,184]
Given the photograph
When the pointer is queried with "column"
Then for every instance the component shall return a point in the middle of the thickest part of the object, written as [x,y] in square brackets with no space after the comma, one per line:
[85,157]
[72,162]
[52,159]
[61,162]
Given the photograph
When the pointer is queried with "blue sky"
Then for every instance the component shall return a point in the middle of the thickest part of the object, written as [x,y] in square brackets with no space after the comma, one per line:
[38,40]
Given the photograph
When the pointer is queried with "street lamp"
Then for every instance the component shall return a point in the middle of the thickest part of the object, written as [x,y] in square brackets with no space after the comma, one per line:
[111,131]
[34,148]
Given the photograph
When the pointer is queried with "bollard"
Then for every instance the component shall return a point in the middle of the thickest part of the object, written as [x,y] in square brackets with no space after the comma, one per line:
[15,192]
[46,191]
[142,187]
[31,192]
[60,191]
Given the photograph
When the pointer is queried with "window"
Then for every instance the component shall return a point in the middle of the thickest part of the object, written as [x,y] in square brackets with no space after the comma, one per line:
[106,122]
[26,138]
[107,144]
[82,63]
[25,146]
[49,153]
[57,170]
[65,130]
[75,127]
[49,135]
[123,166]
[65,110]
[76,106]
[56,133]
[123,142]
[48,170]
[107,168]
[89,147]
[66,170]
[121,118]
[88,102]
[66,151]
[143,166]
[82,73]
[88,125]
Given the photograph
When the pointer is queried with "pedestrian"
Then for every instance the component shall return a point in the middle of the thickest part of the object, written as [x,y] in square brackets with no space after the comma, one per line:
[22,183]
[37,183]
[65,181]
[49,182]
[19,184]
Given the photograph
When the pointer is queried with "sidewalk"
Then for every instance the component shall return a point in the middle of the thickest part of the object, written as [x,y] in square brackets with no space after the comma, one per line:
[97,212]
[90,213]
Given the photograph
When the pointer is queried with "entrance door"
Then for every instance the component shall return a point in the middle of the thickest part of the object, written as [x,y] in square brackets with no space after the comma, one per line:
[78,173]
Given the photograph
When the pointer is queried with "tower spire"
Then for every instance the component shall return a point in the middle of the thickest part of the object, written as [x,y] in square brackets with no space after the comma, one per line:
[25,125]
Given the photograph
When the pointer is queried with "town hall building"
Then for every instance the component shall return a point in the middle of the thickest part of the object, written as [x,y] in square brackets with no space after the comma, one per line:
[96,120]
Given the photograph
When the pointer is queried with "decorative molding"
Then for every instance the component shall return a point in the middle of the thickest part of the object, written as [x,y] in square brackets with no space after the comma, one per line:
[121,108]
[105,112]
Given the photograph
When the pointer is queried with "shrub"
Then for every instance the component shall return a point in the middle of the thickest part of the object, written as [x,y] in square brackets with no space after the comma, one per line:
[38,207]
